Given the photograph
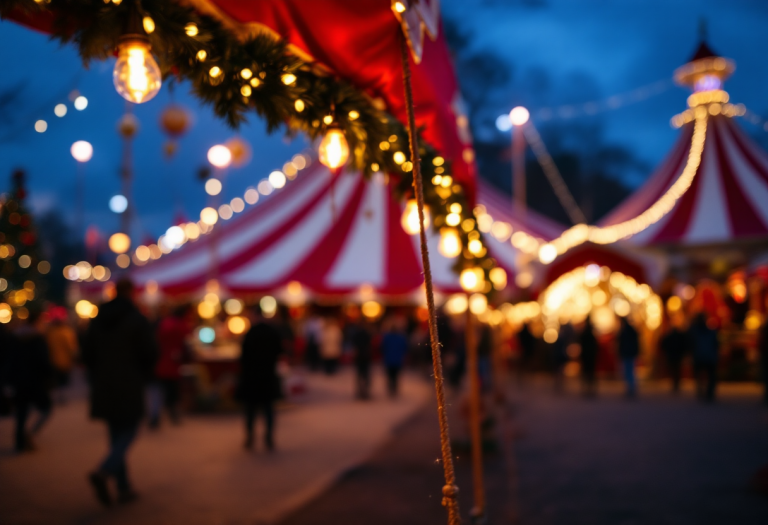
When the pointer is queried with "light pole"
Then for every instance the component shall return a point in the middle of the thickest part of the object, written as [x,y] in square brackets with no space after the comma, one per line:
[518,117]
[82,152]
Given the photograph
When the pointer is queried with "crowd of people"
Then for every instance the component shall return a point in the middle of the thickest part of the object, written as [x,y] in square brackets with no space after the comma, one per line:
[134,365]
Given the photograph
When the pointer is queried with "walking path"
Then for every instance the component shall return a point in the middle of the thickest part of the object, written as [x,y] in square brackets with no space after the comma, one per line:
[198,473]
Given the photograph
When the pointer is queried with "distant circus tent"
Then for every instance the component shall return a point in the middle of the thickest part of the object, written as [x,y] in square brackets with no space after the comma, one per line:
[332,239]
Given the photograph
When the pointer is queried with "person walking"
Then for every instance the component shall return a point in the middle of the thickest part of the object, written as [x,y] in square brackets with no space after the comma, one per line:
[259,384]
[675,346]
[62,344]
[588,358]
[172,333]
[331,340]
[394,347]
[119,354]
[705,353]
[29,376]
[763,350]
[360,340]
[629,349]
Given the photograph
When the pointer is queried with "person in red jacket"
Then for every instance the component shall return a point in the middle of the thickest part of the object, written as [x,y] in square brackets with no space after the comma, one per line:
[172,333]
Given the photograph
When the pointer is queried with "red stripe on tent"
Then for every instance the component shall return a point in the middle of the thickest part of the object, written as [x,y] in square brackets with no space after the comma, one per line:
[656,185]
[743,217]
[314,269]
[243,222]
[679,221]
[403,268]
[747,148]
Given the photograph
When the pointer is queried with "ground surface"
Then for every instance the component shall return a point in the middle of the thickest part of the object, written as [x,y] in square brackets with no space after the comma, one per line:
[198,473]
[564,460]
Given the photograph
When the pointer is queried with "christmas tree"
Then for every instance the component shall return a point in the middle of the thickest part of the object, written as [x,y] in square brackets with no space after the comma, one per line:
[21,266]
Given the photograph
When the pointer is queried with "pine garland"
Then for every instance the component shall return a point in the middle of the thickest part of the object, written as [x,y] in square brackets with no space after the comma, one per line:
[374,136]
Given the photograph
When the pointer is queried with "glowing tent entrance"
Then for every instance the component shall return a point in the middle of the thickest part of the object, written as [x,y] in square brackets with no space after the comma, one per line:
[314,238]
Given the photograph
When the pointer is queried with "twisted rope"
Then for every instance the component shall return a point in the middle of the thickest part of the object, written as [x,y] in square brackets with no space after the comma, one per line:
[450,490]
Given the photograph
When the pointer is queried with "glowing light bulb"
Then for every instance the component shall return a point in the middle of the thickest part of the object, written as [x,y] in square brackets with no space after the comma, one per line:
[334,150]
[519,116]
[547,253]
[472,279]
[136,75]
[410,218]
[450,243]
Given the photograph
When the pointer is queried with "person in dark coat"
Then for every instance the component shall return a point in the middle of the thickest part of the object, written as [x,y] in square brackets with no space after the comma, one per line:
[629,349]
[527,343]
[674,346]
[119,354]
[763,348]
[705,346]
[360,340]
[259,385]
[30,376]
[394,348]
[588,357]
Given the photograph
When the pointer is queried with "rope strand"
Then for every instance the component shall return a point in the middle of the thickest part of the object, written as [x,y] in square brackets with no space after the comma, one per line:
[450,490]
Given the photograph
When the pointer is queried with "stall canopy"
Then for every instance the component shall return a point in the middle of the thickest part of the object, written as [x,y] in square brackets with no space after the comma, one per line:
[333,239]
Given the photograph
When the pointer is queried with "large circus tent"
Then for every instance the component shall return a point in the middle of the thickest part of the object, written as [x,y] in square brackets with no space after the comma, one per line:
[337,240]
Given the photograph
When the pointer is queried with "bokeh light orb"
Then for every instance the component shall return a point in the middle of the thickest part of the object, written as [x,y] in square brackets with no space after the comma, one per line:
[118,204]
[519,116]
[219,156]
[119,242]
[82,151]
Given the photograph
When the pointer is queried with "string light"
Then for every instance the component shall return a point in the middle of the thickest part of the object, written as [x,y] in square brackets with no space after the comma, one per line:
[119,242]
[136,75]
[410,217]
[334,150]
[450,243]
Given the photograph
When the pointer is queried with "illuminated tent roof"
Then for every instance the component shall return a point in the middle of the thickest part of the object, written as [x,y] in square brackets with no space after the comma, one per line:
[728,200]
[332,241]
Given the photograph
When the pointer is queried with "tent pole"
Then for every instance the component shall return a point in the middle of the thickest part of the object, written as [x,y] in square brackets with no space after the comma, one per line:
[450,490]
[478,512]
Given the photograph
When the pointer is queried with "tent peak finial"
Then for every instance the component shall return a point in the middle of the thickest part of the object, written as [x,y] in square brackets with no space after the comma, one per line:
[706,70]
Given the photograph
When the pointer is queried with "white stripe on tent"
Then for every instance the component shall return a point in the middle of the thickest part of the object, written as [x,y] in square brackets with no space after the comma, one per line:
[709,218]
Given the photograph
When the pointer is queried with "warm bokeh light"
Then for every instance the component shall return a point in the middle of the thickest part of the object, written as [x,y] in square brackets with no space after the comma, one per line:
[268,306]
[233,306]
[277,179]
[372,309]
[547,253]
[209,216]
[119,242]
[472,279]
[450,243]
[410,218]
[519,116]
[498,277]
[136,76]
[238,324]
[82,151]
[456,304]
[41,126]
[219,156]
[334,150]
[213,186]
[478,303]
[80,103]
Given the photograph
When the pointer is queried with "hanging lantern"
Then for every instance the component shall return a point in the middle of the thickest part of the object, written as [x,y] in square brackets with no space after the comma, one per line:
[240,150]
[119,243]
[472,279]
[175,120]
[136,76]
[334,150]
[450,243]
[128,125]
[410,218]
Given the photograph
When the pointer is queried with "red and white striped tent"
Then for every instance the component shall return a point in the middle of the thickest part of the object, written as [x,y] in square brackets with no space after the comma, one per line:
[727,202]
[334,242]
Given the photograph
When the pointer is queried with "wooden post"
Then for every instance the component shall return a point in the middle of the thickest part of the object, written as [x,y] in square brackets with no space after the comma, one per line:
[475,420]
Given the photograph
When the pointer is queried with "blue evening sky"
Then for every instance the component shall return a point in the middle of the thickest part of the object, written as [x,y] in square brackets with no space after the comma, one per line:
[585,49]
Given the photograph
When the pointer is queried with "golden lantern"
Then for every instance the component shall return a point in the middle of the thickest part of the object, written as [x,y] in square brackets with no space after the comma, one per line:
[334,150]
[119,243]
[128,125]
[174,120]
[410,218]
[240,150]
[450,243]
